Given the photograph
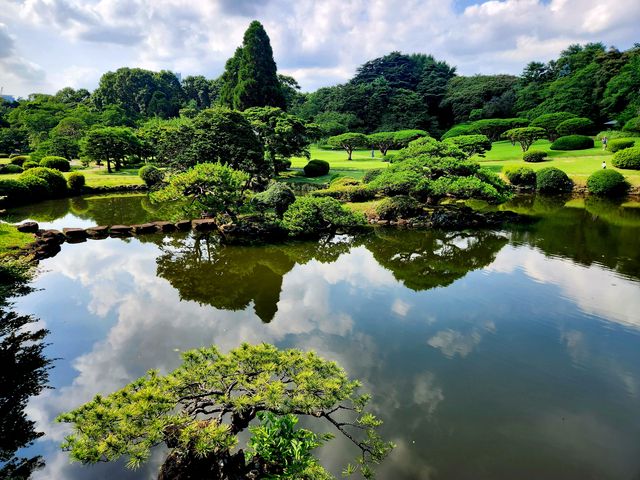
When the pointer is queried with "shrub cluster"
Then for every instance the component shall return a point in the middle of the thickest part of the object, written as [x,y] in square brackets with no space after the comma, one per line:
[347,193]
[575,126]
[608,183]
[313,215]
[344,182]
[534,156]
[18,159]
[632,125]
[400,206]
[278,196]
[521,176]
[316,168]
[465,187]
[614,134]
[370,175]
[553,180]
[572,142]
[56,163]
[30,164]
[11,168]
[151,175]
[618,144]
[15,191]
[627,158]
[75,181]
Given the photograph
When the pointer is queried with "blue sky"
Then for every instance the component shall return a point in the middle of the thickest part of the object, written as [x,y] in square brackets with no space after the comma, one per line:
[48,44]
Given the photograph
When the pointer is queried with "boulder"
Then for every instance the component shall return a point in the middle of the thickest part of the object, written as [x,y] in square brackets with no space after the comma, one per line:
[165,226]
[74,233]
[144,228]
[183,225]
[97,232]
[204,224]
[28,227]
[55,235]
[120,230]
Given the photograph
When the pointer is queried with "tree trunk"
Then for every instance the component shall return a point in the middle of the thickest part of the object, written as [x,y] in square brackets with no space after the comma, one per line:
[349,151]
[223,466]
[108,165]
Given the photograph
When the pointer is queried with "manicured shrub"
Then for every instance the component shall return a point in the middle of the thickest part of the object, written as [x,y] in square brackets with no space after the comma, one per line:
[632,125]
[575,126]
[344,181]
[572,142]
[75,181]
[462,129]
[314,215]
[553,180]
[316,168]
[614,134]
[627,158]
[521,176]
[369,175]
[607,183]
[390,182]
[57,163]
[471,144]
[347,193]
[56,184]
[465,187]
[525,136]
[151,175]
[282,164]
[29,164]
[278,196]
[534,156]
[618,144]
[550,122]
[37,187]
[11,168]
[19,159]
[400,206]
[15,191]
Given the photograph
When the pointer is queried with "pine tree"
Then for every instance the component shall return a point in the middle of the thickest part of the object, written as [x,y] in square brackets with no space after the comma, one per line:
[257,79]
[229,78]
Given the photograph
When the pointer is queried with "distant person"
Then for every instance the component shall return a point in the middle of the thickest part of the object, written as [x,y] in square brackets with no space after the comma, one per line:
[604,143]
[604,164]
[373,151]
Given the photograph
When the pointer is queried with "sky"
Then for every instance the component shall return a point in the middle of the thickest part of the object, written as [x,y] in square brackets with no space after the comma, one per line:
[49,44]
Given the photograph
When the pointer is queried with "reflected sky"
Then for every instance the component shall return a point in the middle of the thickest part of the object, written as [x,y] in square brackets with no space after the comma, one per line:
[487,357]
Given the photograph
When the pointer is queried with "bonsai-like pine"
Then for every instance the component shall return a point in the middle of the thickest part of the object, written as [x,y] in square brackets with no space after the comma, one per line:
[348,141]
[199,409]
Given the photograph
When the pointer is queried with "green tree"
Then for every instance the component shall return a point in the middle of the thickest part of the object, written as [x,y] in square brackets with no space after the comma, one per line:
[348,141]
[202,91]
[465,94]
[525,136]
[550,121]
[199,409]
[109,144]
[471,144]
[258,84]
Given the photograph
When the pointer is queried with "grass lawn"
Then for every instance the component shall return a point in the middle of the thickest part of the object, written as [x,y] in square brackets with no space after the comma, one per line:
[578,164]
[11,239]
[98,176]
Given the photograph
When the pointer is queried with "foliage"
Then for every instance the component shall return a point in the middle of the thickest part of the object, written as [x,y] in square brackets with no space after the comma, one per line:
[199,408]
[348,141]
[29,164]
[13,192]
[465,187]
[495,127]
[550,122]
[575,126]
[19,160]
[399,206]
[618,144]
[344,182]
[521,176]
[212,188]
[310,215]
[553,180]
[151,175]
[607,183]
[75,181]
[493,95]
[461,129]
[534,156]
[525,136]
[57,163]
[370,175]
[11,168]
[471,144]
[56,184]
[316,168]
[278,196]
[614,134]
[572,142]
[633,125]
[13,140]
[428,147]
[627,158]
[347,193]
[107,144]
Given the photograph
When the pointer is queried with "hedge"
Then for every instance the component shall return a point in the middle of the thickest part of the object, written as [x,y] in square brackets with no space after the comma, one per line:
[573,142]
[57,163]
[56,184]
[521,176]
[620,144]
[553,180]
[316,168]
[400,206]
[151,175]
[627,158]
[11,168]
[75,181]
[18,159]
[608,183]
[534,156]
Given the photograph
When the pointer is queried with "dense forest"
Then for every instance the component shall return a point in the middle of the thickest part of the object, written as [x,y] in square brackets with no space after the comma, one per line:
[393,92]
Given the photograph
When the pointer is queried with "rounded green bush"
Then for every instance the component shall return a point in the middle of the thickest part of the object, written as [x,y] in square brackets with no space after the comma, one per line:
[522,176]
[627,158]
[75,181]
[278,196]
[37,187]
[56,184]
[632,125]
[151,175]
[18,159]
[344,182]
[316,168]
[29,164]
[400,206]
[575,126]
[620,144]
[573,142]
[534,156]
[57,163]
[553,180]
[15,191]
[615,134]
[347,193]
[313,215]
[608,183]
[11,168]
[370,175]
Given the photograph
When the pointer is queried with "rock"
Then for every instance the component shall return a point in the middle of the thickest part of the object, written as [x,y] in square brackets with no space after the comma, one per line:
[144,228]
[183,225]
[28,227]
[120,230]
[46,251]
[74,233]
[97,232]
[204,224]
[165,226]
[57,236]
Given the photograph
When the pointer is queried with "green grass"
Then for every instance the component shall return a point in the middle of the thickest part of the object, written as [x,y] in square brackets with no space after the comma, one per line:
[11,239]
[578,164]
[98,176]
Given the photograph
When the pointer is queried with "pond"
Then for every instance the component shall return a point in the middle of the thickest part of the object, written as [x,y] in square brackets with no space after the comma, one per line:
[490,354]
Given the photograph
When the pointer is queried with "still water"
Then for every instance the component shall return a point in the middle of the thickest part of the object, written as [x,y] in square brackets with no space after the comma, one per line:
[489,354]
